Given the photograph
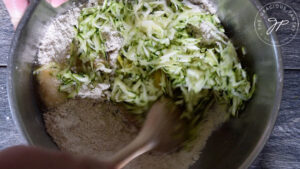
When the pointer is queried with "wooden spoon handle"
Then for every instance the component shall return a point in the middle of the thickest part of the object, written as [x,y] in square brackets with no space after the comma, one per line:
[137,147]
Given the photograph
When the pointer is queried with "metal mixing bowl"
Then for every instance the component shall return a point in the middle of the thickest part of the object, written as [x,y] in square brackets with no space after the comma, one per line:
[234,145]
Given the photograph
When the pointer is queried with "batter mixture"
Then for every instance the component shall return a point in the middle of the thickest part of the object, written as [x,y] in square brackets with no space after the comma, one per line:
[90,125]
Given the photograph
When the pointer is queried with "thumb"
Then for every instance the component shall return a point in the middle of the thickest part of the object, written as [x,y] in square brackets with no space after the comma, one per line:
[16,8]
[56,3]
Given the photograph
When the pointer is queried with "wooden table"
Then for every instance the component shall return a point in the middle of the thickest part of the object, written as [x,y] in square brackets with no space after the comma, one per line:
[282,150]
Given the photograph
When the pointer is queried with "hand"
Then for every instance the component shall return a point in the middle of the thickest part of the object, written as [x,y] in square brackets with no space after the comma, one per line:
[24,157]
[16,8]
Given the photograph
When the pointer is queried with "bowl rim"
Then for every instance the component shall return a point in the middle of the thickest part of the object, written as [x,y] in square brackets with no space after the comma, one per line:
[246,163]
[276,107]
[10,92]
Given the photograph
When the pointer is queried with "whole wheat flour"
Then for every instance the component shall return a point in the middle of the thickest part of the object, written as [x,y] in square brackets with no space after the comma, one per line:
[99,129]
[54,45]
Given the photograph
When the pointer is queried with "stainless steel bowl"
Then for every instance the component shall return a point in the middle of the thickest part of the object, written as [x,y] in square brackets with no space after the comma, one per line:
[234,145]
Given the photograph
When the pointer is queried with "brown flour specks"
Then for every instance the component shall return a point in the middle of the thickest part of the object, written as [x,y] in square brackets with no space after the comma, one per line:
[58,36]
[89,127]
[99,129]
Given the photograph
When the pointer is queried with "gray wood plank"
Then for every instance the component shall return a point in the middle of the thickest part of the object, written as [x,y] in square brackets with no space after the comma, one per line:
[9,134]
[290,52]
[282,150]
[6,34]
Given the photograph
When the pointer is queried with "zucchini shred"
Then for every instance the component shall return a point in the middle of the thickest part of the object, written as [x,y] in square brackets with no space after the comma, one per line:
[168,48]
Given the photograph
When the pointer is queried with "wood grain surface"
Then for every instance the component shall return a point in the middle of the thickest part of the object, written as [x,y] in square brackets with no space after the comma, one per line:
[6,34]
[282,150]
[9,134]
[290,52]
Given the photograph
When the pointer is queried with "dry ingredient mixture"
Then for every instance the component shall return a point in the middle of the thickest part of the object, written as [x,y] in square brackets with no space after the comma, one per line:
[98,129]
[92,126]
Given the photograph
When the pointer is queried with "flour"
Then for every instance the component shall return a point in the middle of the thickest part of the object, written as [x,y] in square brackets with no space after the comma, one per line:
[98,92]
[55,44]
[113,43]
[205,4]
[209,33]
[99,129]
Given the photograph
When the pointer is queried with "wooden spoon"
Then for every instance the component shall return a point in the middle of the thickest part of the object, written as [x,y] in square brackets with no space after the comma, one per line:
[162,130]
